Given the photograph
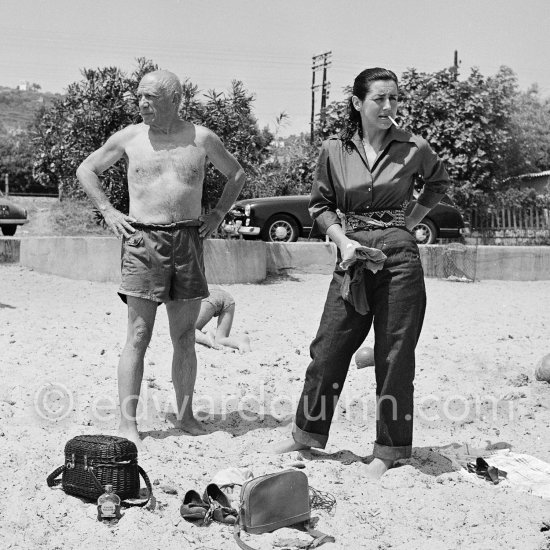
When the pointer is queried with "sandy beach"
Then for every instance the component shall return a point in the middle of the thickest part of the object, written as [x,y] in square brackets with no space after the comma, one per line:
[60,341]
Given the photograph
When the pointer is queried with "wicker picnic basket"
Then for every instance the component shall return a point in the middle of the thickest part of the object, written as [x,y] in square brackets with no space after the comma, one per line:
[93,461]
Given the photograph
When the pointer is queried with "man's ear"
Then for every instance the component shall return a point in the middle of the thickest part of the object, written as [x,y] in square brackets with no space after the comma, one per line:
[176,98]
[356,102]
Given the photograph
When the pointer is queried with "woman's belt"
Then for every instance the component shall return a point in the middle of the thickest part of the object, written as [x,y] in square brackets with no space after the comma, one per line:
[166,226]
[375,219]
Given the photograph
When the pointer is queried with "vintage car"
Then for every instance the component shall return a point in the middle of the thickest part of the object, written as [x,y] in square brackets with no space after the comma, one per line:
[11,216]
[285,219]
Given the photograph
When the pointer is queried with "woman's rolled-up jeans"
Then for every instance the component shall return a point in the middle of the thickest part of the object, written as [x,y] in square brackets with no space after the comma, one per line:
[397,300]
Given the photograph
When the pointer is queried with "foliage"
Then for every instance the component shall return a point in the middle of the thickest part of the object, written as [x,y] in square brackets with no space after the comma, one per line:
[288,171]
[104,102]
[15,162]
[483,128]
[74,126]
[520,198]
[230,117]
[530,121]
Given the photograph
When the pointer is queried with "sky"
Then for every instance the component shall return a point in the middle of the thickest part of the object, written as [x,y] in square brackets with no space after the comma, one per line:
[269,44]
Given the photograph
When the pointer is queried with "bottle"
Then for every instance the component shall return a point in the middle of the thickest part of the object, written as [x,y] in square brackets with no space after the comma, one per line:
[108,506]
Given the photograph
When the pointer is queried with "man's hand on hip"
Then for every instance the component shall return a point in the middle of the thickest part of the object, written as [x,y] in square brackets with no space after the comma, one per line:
[118,222]
[210,222]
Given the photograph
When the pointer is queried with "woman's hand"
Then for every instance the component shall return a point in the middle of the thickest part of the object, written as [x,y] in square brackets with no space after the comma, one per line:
[347,250]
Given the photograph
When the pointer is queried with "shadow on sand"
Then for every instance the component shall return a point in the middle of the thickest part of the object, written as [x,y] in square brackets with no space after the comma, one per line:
[236,423]
[424,459]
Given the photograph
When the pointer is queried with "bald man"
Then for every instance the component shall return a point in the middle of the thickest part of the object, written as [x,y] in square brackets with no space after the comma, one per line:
[162,236]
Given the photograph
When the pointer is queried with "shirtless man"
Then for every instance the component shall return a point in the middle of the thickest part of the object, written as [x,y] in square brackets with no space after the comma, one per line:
[162,254]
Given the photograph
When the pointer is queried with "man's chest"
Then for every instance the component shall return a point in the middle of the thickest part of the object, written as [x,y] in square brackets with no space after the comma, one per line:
[180,160]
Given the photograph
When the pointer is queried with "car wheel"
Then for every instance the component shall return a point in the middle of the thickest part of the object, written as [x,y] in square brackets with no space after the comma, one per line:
[280,229]
[9,230]
[425,232]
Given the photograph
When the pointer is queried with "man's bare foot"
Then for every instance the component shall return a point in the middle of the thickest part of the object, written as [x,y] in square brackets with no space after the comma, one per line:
[377,468]
[191,425]
[130,432]
[287,446]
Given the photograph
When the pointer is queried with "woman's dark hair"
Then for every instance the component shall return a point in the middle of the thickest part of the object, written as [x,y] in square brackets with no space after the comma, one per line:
[361,87]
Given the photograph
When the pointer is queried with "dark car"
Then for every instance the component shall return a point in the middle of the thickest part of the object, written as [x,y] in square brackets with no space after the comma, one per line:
[285,219]
[11,216]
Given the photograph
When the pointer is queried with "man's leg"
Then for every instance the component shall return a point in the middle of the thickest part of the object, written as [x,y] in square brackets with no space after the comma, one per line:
[141,318]
[182,317]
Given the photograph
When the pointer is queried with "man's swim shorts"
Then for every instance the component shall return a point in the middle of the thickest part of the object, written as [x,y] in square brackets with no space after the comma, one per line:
[163,263]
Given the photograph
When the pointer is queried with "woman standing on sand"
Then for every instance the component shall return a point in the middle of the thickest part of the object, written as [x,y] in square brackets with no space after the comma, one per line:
[363,182]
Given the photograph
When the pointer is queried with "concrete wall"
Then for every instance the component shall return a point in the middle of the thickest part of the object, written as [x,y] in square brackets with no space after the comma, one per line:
[98,258]
[9,250]
[514,263]
[301,256]
[240,261]
[234,261]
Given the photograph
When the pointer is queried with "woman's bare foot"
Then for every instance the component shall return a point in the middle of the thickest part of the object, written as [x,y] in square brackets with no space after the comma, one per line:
[130,431]
[211,337]
[244,344]
[287,446]
[377,468]
[191,425]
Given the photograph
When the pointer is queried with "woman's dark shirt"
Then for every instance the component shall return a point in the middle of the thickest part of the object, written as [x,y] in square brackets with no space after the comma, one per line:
[344,180]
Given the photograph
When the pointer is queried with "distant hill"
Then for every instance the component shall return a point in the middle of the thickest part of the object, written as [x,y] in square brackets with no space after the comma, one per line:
[17,107]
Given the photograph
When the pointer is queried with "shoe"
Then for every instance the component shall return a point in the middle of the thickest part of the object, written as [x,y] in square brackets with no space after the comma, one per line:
[220,507]
[194,509]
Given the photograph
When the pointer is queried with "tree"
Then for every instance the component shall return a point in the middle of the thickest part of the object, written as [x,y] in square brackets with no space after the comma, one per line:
[530,123]
[467,122]
[230,117]
[74,126]
[16,162]
[289,170]
[104,102]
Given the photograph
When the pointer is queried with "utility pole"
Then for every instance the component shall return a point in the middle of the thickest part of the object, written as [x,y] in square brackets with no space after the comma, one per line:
[454,68]
[7,185]
[321,61]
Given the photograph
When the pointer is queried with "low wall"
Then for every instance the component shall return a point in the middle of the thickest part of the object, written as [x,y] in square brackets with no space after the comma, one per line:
[301,256]
[240,261]
[9,250]
[513,263]
[98,258]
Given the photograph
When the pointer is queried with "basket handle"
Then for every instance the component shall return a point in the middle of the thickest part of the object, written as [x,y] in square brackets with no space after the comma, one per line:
[129,502]
[51,481]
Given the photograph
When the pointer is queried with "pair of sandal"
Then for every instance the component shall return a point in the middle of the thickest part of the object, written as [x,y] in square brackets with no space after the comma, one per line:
[212,506]
[482,469]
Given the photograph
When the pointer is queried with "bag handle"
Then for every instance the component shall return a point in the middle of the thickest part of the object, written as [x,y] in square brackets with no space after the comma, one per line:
[318,537]
[52,482]
[238,540]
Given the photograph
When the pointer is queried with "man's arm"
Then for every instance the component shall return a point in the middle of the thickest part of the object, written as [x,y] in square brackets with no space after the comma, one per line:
[88,175]
[228,165]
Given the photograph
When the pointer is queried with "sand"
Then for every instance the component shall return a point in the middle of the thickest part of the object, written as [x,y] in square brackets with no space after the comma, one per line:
[59,343]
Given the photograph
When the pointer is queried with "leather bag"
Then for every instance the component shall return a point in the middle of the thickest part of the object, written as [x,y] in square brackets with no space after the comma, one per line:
[274,501]
[93,461]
